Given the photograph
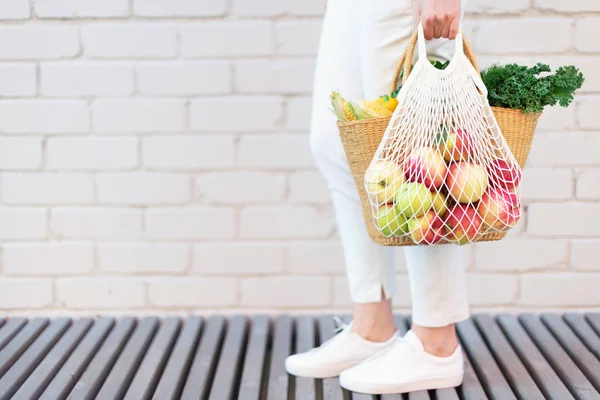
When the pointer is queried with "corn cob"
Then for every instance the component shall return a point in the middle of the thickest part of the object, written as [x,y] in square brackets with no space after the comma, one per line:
[382,110]
[341,109]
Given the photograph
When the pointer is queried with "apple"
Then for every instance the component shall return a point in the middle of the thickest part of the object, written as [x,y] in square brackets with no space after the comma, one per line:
[390,222]
[439,203]
[425,165]
[427,228]
[504,174]
[413,199]
[499,209]
[384,179]
[454,145]
[466,182]
[462,224]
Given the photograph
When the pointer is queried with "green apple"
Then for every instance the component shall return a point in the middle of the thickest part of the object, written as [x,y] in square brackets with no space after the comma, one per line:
[383,179]
[413,199]
[439,203]
[390,222]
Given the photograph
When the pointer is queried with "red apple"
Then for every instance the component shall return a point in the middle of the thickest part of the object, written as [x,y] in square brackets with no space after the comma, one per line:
[425,165]
[504,174]
[455,146]
[499,209]
[462,224]
[466,182]
[426,229]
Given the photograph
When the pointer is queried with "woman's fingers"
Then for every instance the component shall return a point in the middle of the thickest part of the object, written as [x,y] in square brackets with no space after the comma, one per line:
[454,26]
[428,28]
[438,28]
[446,27]
[440,18]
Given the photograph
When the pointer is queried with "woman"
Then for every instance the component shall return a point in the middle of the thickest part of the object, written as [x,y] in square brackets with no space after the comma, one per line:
[361,43]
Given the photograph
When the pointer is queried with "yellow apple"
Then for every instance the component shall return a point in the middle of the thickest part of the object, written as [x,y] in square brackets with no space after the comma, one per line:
[390,222]
[414,199]
[383,180]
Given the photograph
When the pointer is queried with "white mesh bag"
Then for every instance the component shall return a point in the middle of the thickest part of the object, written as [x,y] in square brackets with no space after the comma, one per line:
[443,171]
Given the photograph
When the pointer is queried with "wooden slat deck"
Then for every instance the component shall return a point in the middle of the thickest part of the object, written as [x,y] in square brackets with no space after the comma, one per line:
[524,357]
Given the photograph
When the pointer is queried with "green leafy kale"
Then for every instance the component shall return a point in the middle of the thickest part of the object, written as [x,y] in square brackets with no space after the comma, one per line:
[520,87]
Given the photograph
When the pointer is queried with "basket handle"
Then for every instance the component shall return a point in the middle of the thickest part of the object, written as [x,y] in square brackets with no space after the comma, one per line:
[406,59]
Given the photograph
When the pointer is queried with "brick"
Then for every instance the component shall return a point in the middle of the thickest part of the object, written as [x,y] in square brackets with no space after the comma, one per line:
[587,114]
[47,188]
[184,78]
[180,8]
[227,39]
[81,8]
[275,151]
[586,29]
[315,258]
[22,223]
[143,258]
[39,293]
[492,289]
[521,255]
[238,258]
[556,119]
[34,42]
[92,153]
[565,219]
[286,291]
[298,114]
[236,114]
[47,259]
[584,254]
[74,79]
[298,37]
[96,223]
[44,116]
[129,41]
[588,184]
[143,188]
[19,153]
[15,9]
[565,150]
[495,7]
[101,293]
[560,290]
[192,292]
[17,80]
[138,116]
[524,35]
[285,222]
[173,152]
[191,223]
[309,187]
[258,8]
[341,292]
[242,187]
[547,184]
[287,76]
[306,8]
[561,6]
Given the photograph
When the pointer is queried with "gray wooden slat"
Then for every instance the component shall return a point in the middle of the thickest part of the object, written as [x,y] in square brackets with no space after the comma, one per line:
[2,321]
[331,386]
[547,379]
[203,366]
[471,388]
[90,382]
[173,378]
[488,372]
[252,378]
[594,320]
[226,380]
[575,380]
[282,345]
[517,375]
[585,360]
[305,340]
[119,378]
[150,370]
[445,394]
[20,370]
[54,361]
[10,329]
[584,331]
[17,346]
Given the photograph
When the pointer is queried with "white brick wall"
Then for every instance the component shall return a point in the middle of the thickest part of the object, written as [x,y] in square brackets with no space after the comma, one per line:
[154,156]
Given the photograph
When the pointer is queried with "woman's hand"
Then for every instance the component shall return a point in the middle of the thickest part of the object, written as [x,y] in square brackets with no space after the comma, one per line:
[440,18]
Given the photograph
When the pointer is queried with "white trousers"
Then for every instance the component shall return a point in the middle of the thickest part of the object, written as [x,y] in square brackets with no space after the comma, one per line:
[361,44]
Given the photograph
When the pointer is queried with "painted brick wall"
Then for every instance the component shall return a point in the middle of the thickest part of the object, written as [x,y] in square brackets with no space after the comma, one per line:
[154,157]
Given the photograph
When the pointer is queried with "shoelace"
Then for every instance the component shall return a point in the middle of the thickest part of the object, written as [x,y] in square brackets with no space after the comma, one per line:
[340,325]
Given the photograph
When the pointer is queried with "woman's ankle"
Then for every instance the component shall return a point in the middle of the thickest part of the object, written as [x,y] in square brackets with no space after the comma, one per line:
[374,321]
[441,342]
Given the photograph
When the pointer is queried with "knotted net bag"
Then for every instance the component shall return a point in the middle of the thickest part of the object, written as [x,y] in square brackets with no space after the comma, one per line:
[443,172]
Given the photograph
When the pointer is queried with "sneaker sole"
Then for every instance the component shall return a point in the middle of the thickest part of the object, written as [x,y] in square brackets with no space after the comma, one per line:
[318,372]
[426,384]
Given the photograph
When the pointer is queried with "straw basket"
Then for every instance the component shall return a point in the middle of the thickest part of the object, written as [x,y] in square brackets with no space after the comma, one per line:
[361,140]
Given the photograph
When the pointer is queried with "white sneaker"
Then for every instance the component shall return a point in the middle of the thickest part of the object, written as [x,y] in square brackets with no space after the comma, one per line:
[343,351]
[404,367]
